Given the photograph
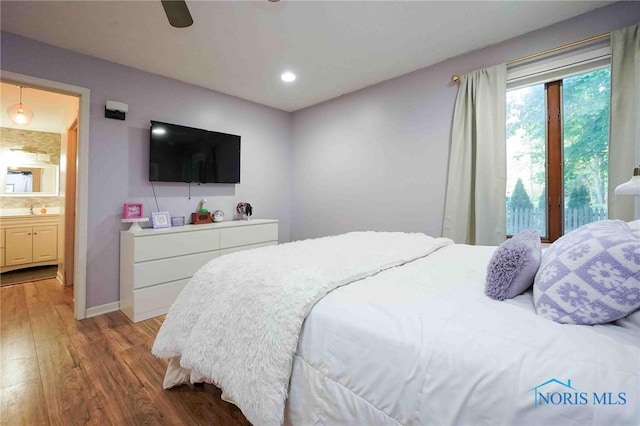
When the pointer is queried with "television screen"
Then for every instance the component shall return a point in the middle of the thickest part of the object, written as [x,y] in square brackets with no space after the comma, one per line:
[184,154]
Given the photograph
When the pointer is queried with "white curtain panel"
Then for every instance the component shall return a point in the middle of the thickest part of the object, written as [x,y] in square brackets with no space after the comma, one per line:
[624,141]
[475,210]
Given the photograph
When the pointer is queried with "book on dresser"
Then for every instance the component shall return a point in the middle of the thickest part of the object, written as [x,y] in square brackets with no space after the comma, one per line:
[156,264]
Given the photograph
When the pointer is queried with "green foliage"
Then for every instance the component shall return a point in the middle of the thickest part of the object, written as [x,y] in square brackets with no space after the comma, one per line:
[585,112]
[579,196]
[526,119]
[586,100]
[519,198]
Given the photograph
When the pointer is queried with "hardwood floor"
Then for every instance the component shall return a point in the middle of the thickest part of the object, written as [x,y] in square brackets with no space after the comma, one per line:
[58,371]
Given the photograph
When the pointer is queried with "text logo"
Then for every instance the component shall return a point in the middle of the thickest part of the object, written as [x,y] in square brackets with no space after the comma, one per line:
[556,392]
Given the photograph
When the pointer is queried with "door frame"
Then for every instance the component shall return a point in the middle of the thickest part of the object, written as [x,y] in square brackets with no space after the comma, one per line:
[70,203]
[82,178]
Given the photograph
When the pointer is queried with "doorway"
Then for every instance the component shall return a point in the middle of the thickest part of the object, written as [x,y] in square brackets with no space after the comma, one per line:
[74,208]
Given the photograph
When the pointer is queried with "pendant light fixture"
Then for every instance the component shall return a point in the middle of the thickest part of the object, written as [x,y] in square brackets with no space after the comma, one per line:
[20,114]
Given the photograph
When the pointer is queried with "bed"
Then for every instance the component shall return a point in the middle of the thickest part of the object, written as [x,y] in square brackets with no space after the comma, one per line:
[410,339]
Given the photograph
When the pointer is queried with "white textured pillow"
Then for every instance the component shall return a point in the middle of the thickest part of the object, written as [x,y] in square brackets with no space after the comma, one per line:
[590,276]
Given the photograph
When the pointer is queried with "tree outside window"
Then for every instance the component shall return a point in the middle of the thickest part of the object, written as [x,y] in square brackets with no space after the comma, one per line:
[557,145]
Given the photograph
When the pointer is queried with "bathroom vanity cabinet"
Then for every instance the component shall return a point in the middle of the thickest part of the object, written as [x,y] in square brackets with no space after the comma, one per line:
[27,241]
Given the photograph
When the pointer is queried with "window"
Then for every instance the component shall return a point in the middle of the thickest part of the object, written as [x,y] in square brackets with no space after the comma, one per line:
[557,144]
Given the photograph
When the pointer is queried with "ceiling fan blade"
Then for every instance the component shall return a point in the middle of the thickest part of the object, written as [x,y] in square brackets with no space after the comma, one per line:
[177,13]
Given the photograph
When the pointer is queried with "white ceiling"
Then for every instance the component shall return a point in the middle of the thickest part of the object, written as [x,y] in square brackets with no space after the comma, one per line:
[241,47]
[52,112]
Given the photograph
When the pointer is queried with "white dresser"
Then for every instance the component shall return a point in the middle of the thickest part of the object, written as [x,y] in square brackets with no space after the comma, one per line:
[155,264]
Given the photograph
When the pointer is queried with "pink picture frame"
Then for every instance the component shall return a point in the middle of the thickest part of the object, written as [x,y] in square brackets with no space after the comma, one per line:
[132,211]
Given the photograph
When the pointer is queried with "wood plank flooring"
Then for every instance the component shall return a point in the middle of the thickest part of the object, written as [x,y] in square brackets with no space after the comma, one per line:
[55,370]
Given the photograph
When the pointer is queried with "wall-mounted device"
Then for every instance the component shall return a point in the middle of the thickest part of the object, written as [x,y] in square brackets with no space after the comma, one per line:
[116,110]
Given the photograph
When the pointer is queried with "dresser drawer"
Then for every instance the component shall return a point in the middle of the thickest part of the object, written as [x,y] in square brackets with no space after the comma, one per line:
[247,247]
[156,300]
[175,244]
[164,270]
[250,234]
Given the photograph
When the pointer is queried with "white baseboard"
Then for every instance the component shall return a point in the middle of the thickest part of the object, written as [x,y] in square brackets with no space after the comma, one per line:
[102,309]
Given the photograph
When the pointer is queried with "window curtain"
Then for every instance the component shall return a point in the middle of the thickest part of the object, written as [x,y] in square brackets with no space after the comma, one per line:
[624,133]
[475,208]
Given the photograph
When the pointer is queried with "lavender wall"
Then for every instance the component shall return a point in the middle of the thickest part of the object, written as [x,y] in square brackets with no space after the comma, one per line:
[374,159]
[118,153]
[378,158]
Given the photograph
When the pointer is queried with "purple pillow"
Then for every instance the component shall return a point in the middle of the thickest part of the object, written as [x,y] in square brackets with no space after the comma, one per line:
[513,266]
[590,275]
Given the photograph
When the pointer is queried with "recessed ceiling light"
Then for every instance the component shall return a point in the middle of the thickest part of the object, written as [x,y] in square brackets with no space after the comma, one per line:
[288,76]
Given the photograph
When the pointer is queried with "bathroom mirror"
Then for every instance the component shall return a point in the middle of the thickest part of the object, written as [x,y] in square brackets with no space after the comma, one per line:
[32,180]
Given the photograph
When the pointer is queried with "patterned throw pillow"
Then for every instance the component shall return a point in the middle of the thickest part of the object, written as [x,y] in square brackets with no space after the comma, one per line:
[590,276]
[513,266]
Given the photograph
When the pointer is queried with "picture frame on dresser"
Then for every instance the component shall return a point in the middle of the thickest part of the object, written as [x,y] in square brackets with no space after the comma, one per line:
[132,211]
[161,220]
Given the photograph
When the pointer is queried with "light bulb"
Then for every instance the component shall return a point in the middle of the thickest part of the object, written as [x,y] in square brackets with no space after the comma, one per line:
[288,77]
[20,114]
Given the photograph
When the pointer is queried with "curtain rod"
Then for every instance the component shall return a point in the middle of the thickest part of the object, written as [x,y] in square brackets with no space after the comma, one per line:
[456,78]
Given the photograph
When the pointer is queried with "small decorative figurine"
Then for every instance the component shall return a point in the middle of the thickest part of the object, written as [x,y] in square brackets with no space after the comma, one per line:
[202,215]
[245,210]
[201,206]
[218,216]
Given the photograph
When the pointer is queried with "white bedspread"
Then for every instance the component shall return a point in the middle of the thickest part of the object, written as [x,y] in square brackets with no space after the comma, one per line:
[237,321]
[422,345]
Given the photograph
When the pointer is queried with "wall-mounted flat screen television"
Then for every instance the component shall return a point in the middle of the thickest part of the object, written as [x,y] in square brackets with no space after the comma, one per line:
[184,154]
